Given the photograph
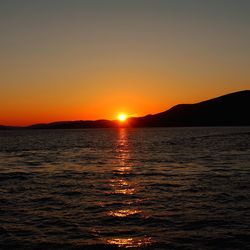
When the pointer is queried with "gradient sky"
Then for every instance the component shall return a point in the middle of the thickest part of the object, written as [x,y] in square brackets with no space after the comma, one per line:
[72,59]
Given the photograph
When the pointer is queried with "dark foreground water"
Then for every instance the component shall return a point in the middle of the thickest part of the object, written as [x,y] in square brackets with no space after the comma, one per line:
[154,188]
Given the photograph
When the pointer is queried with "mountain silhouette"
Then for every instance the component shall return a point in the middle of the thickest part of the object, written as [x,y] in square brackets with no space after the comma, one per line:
[2,127]
[228,110]
[75,124]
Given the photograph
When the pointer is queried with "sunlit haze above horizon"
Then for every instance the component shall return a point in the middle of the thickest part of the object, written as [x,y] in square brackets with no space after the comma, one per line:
[78,60]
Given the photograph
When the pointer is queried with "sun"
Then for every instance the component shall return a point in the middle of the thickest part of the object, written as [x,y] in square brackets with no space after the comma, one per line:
[122,117]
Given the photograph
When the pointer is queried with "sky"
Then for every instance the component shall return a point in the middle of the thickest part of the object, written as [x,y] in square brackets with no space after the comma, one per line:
[78,60]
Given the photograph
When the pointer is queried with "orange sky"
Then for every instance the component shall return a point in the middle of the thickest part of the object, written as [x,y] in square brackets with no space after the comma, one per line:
[72,60]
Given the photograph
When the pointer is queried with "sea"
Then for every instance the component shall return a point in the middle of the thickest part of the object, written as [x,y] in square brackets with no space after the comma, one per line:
[125,188]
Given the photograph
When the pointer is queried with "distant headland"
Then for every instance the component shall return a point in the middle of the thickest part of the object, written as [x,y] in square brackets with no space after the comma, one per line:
[227,110]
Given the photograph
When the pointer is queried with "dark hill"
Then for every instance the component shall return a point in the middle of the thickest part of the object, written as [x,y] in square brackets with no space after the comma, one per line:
[2,127]
[75,124]
[227,110]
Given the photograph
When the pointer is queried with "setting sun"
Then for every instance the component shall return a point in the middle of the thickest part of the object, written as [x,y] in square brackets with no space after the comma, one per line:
[122,117]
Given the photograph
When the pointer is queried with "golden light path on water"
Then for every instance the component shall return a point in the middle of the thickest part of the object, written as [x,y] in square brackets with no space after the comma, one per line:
[123,212]
[130,242]
[124,186]
[121,186]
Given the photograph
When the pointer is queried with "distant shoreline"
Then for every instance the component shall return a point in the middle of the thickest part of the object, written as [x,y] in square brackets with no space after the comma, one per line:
[229,111]
[33,129]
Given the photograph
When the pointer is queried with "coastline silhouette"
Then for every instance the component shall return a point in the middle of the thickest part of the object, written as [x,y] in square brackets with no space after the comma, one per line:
[226,110]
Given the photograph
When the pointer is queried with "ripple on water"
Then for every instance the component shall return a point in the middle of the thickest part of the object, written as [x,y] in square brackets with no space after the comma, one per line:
[185,188]
[138,242]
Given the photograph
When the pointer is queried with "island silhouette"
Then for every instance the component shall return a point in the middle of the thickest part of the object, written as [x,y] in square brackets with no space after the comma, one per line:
[227,110]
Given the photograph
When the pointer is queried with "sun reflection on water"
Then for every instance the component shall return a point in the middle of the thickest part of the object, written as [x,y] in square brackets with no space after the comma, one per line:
[123,212]
[130,242]
[125,187]
[124,170]
[121,186]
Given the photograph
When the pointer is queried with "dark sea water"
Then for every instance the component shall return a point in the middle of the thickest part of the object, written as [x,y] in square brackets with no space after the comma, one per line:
[151,188]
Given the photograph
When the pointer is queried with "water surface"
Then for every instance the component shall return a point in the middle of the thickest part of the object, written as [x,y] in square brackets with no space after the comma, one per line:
[151,188]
